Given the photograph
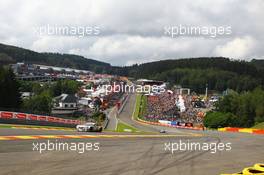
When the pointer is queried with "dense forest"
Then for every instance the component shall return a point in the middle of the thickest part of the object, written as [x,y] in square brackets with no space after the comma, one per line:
[11,54]
[218,73]
[238,110]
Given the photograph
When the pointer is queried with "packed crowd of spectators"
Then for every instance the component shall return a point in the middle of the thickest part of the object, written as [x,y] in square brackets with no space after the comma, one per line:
[163,107]
[192,109]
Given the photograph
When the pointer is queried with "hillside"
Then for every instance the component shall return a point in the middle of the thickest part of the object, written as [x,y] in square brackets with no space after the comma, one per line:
[218,72]
[11,54]
[258,63]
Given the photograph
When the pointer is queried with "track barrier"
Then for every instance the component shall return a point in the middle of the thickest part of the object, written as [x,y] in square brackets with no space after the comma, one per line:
[243,130]
[32,119]
[169,125]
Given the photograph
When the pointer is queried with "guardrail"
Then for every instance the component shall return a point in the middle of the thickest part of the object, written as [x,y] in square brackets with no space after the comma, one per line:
[33,119]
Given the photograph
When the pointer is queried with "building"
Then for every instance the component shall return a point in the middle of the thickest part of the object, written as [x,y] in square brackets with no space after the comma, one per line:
[65,105]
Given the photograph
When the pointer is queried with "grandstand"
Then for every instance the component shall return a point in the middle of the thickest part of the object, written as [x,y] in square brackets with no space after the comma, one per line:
[173,107]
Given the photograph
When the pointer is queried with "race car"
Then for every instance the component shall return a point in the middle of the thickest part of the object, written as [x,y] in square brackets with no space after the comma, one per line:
[163,131]
[89,127]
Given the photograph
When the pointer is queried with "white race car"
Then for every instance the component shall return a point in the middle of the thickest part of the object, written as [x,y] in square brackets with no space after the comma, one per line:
[92,127]
[163,131]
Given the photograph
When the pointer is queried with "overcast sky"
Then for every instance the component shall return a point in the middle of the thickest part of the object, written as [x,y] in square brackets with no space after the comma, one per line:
[132,31]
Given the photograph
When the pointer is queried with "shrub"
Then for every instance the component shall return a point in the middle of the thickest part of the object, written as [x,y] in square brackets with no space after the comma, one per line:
[219,119]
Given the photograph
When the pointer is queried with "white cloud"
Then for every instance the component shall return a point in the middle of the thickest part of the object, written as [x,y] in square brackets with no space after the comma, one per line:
[132,31]
[128,50]
[237,48]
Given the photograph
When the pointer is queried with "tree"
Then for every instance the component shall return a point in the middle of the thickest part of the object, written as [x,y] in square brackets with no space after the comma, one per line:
[247,106]
[219,120]
[9,89]
[56,88]
[70,87]
[65,86]
[41,103]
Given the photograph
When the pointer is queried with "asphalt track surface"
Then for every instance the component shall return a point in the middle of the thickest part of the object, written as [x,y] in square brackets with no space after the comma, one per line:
[131,156]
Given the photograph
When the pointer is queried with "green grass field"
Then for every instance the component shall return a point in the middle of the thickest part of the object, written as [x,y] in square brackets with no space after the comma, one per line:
[259,126]
[137,108]
[141,105]
[123,127]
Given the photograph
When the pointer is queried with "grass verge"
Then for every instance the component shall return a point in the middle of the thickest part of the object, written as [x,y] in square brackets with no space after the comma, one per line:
[259,126]
[31,126]
[124,127]
[137,108]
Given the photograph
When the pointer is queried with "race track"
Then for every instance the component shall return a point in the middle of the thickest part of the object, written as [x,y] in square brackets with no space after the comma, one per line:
[137,155]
